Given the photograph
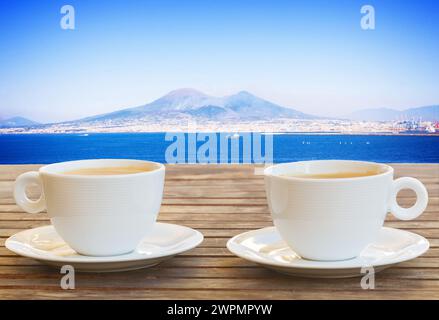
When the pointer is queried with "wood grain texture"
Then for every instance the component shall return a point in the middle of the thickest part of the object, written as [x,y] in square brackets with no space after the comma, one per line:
[220,201]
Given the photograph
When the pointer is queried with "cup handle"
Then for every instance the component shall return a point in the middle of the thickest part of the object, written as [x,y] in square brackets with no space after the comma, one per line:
[28,205]
[421,198]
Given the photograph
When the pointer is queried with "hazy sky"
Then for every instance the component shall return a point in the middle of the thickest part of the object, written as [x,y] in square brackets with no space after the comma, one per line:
[309,55]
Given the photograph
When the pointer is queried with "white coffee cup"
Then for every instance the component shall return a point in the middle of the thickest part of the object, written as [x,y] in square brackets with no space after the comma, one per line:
[97,215]
[335,219]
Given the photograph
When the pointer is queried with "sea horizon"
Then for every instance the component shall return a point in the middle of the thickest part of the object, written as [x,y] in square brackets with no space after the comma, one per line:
[231,131]
[44,148]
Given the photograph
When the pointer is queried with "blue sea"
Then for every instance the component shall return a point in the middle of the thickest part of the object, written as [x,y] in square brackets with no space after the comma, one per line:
[49,148]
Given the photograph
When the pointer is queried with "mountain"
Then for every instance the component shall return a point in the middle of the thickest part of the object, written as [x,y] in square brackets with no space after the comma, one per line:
[247,105]
[17,122]
[428,113]
[191,103]
[187,104]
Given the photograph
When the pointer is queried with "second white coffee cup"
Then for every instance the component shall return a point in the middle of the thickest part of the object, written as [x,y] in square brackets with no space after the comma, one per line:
[335,219]
[97,215]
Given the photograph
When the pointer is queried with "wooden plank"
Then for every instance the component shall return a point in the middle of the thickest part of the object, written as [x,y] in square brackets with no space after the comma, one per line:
[421,221]
[194,171]
[35,272]
[225,225]
[14,212]
[141,281]
[225,191]
[202,251]
[35,292]
[228,233]
[213,261]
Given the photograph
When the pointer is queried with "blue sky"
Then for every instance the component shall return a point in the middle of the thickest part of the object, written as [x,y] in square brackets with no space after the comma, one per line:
[309,55]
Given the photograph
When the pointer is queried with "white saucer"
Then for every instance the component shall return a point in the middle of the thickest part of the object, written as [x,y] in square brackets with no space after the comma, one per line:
[46,246]
[265,247]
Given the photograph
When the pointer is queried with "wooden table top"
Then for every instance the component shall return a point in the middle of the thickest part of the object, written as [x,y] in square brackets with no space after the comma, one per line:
[219,201]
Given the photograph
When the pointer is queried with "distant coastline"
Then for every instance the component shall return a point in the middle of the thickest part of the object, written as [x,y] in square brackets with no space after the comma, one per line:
[290,126]
[322,133]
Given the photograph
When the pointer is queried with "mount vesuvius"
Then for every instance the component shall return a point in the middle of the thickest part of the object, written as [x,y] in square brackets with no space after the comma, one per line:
[190,103]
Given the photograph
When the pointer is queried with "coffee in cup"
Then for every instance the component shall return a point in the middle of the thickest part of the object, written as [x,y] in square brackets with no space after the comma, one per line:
[108,171]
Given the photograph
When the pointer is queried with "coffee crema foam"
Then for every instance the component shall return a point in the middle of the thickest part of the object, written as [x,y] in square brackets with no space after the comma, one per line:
[108,171]
[333,175]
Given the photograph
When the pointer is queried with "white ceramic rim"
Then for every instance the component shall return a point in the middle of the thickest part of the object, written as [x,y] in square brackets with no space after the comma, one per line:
[52,169]
[268,172]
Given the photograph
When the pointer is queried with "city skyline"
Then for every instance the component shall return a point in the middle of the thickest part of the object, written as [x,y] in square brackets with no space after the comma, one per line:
[314,58]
